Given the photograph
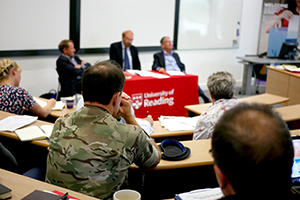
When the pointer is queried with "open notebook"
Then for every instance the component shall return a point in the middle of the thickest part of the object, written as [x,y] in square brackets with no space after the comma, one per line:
[34,132]
[58,106]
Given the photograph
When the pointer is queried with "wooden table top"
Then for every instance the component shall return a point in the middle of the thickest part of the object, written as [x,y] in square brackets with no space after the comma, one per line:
[289,113]
[160,131]
[21,186]
[266,98]
[43,143]
[199,156]
[59,113]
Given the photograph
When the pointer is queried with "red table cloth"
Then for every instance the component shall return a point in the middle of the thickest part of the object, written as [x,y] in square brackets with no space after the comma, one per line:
[166,96]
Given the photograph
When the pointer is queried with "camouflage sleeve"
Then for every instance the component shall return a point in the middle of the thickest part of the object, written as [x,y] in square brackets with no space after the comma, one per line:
[146,154]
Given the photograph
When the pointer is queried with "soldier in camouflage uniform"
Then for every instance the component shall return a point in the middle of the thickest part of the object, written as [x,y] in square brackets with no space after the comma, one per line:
[90,151]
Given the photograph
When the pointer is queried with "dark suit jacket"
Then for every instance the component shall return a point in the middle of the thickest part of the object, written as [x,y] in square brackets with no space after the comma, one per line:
[115,53]
[159,61]
[68,76]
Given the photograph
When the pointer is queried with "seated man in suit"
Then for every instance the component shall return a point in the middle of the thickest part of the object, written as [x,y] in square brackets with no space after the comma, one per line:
[124,53]
[70,69]
[253,154]
[167,60]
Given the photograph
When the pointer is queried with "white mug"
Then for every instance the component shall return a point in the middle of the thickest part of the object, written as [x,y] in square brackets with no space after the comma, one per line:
[126,195]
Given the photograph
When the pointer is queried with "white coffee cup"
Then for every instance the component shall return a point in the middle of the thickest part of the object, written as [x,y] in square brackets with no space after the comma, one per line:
[126,195]
[70,102]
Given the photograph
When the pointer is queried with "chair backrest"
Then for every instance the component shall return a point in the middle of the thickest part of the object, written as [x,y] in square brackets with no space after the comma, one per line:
[7,160]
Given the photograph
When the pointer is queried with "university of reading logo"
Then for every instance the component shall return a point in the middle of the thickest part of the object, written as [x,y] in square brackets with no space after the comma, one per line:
[153,99]
[137,100]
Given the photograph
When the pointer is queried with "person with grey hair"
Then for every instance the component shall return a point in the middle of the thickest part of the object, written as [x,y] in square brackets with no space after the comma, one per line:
[221,86]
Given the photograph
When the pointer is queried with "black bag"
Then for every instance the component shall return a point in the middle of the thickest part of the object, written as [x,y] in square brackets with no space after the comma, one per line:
[173,150]
[51,94]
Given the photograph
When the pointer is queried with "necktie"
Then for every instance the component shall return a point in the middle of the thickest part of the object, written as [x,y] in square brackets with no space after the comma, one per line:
[126,61]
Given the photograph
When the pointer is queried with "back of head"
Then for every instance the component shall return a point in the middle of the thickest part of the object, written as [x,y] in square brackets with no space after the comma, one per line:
[221,85]
[252,146]
[5,65]
[101,81]
[63,44]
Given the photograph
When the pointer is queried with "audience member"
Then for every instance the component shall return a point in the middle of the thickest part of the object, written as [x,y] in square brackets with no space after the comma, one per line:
[90,151]
[146,124]
[253,154]
[70,69]
[167,60]
[124,53]
[14,98]
[221,86]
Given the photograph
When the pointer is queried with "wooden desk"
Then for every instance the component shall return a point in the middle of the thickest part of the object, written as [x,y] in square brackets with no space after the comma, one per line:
[248,68]
[289,113]
[42,143]
[284,83]
[295,132]
[161,133]
[199,157]
[266,98]
[21,186]
[59,113]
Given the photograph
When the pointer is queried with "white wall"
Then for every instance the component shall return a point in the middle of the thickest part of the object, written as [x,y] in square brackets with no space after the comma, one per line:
[39,74]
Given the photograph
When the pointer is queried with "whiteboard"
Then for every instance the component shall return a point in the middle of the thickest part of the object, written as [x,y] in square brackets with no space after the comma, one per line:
[206,24]
[34,24]
[103,21]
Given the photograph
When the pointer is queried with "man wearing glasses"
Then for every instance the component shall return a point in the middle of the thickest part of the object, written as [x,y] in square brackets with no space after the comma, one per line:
[124,53]
[167,60]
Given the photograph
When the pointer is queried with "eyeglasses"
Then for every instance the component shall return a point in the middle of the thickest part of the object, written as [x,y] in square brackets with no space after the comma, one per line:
[129,40]
[169,42]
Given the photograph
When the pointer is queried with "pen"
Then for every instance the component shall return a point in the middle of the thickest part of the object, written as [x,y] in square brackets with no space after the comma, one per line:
[44,133]
[41,129]
[52,95]
[147,113]
[65,197]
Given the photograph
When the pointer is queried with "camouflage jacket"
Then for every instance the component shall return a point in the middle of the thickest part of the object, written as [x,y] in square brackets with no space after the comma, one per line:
[90,152]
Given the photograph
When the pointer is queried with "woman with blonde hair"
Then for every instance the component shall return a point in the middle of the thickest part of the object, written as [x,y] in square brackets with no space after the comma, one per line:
[12,97]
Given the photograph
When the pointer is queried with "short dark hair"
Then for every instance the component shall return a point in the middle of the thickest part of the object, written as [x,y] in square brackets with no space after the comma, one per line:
[101,81]
[252,146]
[63,44]
[162,39]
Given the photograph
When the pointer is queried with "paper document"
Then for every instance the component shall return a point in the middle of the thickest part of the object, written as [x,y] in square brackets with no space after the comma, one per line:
[12,123]
[175,73]
[34,132]
[294,24]
[292,68]
[145,125]
[151,74]
[58,106]
[292,31]
[202,194]
[132,71]
[178,123]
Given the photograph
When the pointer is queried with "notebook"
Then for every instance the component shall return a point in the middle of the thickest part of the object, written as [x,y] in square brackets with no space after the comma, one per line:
[296,165]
